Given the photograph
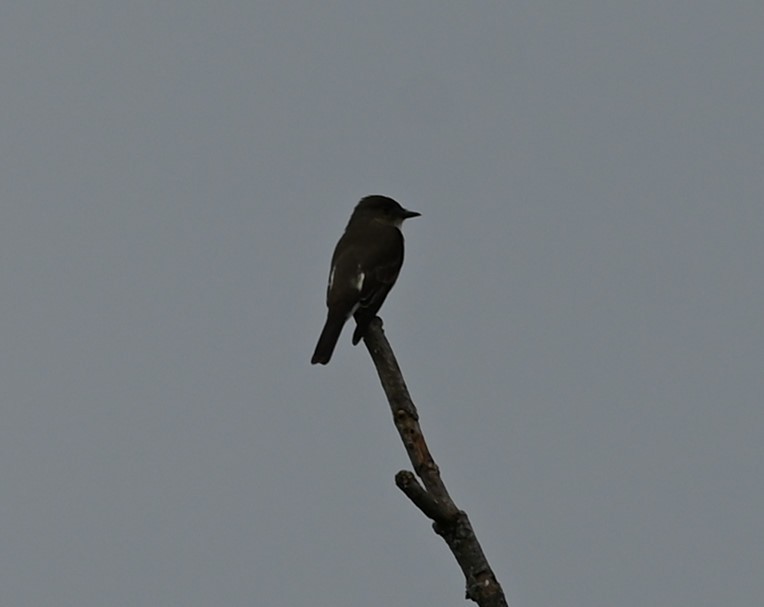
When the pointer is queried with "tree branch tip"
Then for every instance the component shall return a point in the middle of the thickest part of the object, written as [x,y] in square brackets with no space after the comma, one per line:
[404,477]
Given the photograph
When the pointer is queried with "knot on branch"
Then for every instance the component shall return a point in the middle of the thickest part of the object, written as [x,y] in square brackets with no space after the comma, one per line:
[406,414]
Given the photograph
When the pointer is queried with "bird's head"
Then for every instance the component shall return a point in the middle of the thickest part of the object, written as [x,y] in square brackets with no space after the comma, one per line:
[382,209]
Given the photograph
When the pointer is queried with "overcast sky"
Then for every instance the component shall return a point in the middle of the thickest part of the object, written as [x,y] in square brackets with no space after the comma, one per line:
[579,317]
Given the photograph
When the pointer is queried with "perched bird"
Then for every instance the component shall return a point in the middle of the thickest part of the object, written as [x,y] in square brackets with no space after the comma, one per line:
[364,268]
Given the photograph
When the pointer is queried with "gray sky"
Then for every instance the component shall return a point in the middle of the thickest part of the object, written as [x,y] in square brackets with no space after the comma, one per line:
[579,317]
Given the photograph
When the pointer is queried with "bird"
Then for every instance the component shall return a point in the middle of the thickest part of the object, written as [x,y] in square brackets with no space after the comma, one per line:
[364,267]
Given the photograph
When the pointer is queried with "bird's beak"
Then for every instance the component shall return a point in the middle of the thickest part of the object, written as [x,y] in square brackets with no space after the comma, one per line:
[410,214]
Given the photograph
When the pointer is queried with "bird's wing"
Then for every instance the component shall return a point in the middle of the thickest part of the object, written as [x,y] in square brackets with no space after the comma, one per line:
[383,261]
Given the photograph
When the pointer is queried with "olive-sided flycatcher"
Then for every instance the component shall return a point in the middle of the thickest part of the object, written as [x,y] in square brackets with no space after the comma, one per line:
[364,268]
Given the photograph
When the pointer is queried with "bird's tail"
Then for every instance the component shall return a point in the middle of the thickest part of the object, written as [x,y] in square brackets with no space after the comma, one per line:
[328,339]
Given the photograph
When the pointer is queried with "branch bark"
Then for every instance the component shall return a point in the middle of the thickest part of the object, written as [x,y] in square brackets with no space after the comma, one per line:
[431,496]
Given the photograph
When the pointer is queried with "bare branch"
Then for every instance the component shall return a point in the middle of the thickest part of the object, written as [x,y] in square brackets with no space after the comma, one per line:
[431,497]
